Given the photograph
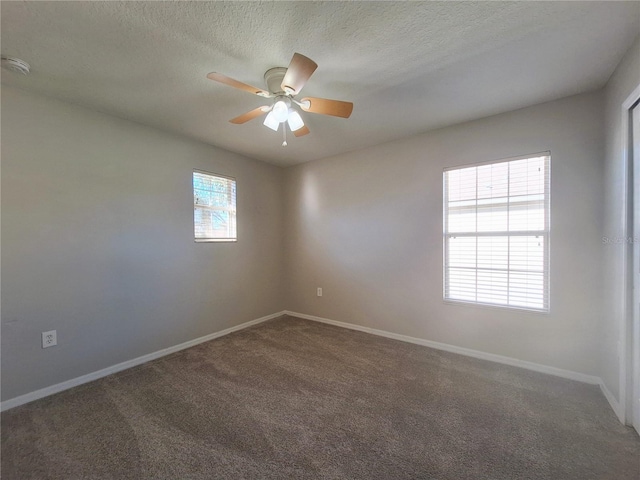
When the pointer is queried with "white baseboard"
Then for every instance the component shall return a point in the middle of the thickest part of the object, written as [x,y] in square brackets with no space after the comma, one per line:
[558,372]
[74,382]
[615,404]
[536,367]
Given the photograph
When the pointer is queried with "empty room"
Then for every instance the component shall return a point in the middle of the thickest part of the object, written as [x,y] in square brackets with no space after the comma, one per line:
[320,240]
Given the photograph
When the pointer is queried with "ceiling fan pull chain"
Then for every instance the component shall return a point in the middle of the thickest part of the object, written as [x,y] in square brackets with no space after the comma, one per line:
[284,135]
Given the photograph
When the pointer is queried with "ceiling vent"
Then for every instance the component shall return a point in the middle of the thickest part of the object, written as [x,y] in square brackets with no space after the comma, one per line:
[15,65]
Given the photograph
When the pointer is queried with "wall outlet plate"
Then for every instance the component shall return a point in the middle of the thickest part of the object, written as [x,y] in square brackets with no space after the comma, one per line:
[319,291]
[49,339]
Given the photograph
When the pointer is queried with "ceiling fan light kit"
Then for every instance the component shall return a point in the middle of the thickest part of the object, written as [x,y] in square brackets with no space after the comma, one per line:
[280,109]
[294,120]
[283,85]
[271,122]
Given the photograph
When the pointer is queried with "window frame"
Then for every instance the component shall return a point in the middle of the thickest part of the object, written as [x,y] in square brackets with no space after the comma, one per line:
[232,211]
[546,234]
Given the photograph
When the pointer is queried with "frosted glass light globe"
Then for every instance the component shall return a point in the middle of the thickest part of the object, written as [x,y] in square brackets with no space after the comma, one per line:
[295,121]
[280,111]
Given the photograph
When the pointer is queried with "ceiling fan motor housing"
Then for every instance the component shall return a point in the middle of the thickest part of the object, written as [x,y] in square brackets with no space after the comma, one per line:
[273,79]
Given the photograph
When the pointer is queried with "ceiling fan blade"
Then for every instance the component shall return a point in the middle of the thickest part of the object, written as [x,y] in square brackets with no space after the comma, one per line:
[299,70]
[324,106]
[245,117]
[301,131]
[218,77]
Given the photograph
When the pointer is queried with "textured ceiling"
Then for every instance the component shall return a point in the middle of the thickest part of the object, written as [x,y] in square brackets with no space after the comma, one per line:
[408,67]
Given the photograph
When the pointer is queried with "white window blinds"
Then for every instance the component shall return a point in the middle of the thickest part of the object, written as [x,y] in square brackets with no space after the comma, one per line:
[496,233]
[214,208]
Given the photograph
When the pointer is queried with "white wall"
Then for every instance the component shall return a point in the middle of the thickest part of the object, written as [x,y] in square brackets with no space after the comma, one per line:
[366,226]
[109,260]
[624,80]
[97,242]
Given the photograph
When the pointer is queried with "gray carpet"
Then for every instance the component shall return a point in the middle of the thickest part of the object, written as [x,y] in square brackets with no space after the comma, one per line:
[294,399]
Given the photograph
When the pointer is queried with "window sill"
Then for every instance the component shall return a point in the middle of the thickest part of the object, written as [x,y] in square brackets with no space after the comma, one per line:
[462,303]
[215,240]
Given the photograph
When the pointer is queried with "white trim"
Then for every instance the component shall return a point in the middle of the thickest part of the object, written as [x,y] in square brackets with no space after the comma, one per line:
[626,322]
[558,372]
[469,232]
[581,377]
[212,174]
[90,377]
[546,153]
[615,405]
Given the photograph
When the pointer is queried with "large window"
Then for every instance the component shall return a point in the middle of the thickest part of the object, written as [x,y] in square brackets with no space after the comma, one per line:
[214,208]
[496,233]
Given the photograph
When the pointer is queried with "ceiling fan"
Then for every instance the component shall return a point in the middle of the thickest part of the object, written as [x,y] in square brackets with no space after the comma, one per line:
[283,85]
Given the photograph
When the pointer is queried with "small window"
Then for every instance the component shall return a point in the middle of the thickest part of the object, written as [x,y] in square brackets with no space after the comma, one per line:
[496,233]
[214,208]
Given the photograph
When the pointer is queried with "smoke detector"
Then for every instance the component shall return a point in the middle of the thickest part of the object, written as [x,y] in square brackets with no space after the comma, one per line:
[15,65]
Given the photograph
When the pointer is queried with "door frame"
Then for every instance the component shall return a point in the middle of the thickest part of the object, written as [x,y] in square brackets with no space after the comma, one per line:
[629,345]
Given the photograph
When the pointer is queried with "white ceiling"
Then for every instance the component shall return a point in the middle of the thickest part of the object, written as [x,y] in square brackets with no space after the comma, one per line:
[408,67]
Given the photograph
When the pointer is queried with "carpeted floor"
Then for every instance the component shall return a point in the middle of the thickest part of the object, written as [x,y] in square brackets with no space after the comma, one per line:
[294,399]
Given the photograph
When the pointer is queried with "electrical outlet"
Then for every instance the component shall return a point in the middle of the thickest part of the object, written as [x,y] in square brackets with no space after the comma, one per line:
[319,291]
[49,339]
